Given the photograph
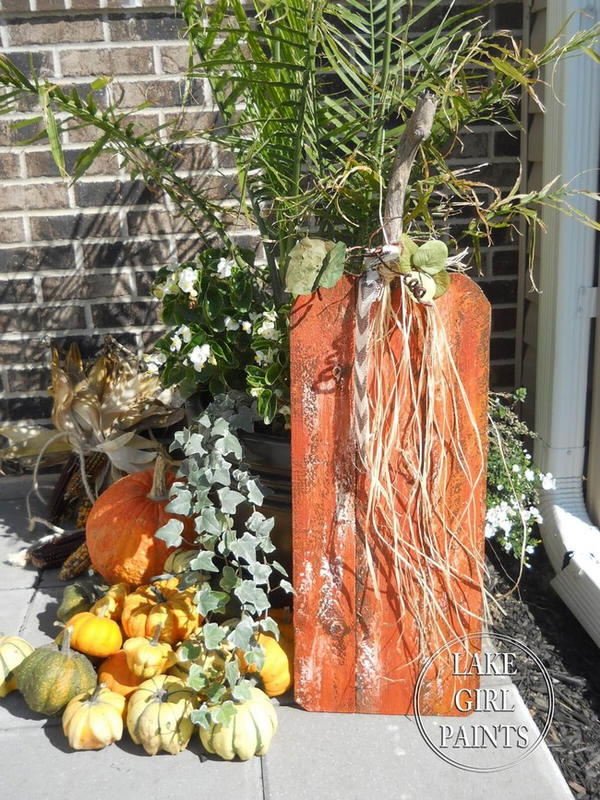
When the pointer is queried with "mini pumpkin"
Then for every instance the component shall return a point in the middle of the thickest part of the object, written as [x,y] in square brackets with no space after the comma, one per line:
[94,635]
[158,715]
[161,603]
[49,678]
[111,603]
[179,560]
[77,597]
[120,528]
[94,720]
[248,734]
[115,673]
[276,673]
[148,657]
[13,651]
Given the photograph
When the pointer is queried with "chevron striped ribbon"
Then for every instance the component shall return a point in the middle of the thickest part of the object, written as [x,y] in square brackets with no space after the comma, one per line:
[370,285]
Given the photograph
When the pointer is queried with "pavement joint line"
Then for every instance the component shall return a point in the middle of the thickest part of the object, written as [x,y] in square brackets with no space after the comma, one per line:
[29,607]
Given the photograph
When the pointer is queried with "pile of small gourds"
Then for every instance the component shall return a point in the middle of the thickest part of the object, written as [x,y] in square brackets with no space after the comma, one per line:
[120,662]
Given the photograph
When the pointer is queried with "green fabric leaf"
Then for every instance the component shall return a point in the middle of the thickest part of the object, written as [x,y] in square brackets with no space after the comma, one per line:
[171,532]
[431,257]
[407,250]
[305,261]
[442,283]
[334,266]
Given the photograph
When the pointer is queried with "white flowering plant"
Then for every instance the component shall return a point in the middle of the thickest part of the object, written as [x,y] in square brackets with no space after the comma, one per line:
[225,332]
[513,482]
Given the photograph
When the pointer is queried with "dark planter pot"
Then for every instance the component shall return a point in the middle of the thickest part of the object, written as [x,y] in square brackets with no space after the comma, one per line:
[270,458]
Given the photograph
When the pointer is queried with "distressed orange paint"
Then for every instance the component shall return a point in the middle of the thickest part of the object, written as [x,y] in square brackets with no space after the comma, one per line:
[350,655]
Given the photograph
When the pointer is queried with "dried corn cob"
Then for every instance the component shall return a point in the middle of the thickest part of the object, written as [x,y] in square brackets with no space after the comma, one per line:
[75,564]
[82,513]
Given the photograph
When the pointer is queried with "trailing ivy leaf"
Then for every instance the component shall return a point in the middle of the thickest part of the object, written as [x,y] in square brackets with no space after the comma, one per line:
[241,635]
[229,500]
[220,428]
[260,572]
[204,562]
[181,502]
[253,596]
[255,493]
[431,257]
[229,444]
[333,267]
[171,532]
[232,672]
[258,523]
[269,625]
[189,651]
[224,714]
[255,657]
[208,600]
[213,635]
[245,548]
[241,692]
[201,716]
[196,678]
[244,419]
[229,579]
[276,565]
[286,586]
[208,521]
[195,445]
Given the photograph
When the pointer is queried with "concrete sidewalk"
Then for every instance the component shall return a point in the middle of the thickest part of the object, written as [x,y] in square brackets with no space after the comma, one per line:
[316,756]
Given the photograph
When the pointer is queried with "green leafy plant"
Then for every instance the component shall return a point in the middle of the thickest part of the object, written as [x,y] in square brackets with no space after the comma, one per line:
[214,486]
[513,482]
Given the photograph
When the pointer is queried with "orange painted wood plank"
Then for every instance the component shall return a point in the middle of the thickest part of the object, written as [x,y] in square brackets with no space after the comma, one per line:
[323,492]
[382,628]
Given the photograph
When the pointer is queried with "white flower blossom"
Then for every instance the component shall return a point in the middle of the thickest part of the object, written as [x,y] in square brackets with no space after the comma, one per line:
[224,267]
[176,343]
[267,329]
[154,362]
[199,356]
[186,280]
[247,326]
[529,474]
[185,333]
[516,468]
[255,391]
[548,482]
[231,324]
[263,358]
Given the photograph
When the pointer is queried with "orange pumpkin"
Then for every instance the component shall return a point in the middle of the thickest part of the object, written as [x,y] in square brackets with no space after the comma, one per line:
[120,528]
[277,673]
[161,603]
[115,673]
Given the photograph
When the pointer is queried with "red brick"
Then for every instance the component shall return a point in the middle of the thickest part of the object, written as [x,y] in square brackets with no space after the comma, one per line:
[175,59]
[120,315]
[10,166]
[11,230]
[159,93]
[88,134]
[86,286]
[16,291]
[76,226]
[55,30]
[42,165]
[29,380]
[18,197]
[141,27]
[113,61]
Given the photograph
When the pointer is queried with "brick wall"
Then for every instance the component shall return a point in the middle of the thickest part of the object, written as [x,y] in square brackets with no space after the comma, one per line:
[76,262]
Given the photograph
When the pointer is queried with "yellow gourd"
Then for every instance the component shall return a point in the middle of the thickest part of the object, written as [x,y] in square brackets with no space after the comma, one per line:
[249,733]
[111,604]
[148,657]
[94,720]
[13,650]
[158,715]
[277,671]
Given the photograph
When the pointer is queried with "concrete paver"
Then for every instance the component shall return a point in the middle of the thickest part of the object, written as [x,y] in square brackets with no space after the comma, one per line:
[313,756]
